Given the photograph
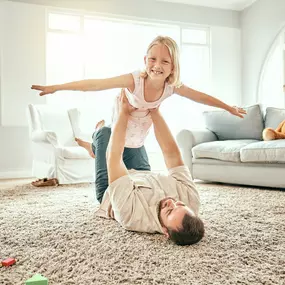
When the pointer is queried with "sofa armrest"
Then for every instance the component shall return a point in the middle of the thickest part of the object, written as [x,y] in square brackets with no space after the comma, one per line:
[190,138]
[45,137]
[187,139]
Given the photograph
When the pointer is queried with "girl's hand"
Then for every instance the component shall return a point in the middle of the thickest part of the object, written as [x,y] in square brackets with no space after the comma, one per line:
[45,89]
[239,112]
[124,104]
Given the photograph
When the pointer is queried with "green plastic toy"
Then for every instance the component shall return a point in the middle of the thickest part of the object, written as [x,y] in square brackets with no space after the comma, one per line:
[37,279]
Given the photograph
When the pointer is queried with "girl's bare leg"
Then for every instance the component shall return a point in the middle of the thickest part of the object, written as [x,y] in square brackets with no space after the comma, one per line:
[88,145]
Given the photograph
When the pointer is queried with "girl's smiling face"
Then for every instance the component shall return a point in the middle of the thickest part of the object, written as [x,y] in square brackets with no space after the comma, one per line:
[158,62]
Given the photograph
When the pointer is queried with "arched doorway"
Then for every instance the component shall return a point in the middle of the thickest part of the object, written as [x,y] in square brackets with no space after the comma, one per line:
[272,75]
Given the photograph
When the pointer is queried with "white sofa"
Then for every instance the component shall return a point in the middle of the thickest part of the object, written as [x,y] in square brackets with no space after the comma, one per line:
[231,150]
[55,152]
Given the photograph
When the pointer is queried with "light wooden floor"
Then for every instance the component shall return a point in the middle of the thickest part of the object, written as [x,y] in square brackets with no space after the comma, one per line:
[7,183]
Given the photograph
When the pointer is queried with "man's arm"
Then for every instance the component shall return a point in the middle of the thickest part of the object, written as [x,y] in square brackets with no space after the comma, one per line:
[115,166]
[167,143]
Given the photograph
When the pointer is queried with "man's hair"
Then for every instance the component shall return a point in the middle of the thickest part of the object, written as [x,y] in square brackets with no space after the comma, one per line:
[192,231]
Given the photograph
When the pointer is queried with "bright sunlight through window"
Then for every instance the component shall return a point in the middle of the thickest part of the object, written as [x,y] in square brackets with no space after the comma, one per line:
[83,46]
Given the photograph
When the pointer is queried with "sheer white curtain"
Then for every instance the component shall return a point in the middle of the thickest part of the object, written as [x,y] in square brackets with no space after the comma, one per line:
[84,46]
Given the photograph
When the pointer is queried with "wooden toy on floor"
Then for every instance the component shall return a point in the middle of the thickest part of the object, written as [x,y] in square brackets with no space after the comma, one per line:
[37,279]
[8,262]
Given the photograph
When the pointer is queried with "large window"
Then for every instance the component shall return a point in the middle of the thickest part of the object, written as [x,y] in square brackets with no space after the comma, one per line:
[87,46]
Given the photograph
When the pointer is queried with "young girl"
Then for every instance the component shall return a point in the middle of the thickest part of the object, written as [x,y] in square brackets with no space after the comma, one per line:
[145,90]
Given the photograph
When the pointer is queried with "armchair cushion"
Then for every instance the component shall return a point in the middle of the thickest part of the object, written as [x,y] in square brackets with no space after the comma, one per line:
[73,152]
[83,121]
[229,127]
[55,119]
[44,137]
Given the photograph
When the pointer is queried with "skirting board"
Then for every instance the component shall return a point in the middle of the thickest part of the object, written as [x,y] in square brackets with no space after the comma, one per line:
[16,174]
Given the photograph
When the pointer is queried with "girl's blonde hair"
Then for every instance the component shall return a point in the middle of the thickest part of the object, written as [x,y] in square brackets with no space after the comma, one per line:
[174,78]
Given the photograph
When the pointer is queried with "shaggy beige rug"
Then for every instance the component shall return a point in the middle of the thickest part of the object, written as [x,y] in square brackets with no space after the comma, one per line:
[53,231]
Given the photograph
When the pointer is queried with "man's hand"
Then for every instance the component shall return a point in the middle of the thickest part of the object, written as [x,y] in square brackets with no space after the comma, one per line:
[124,105]
[239,112]
[45,89]
[154,110]
[116,167]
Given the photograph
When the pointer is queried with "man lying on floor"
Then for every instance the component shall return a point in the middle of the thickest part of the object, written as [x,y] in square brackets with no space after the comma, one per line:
[149,202]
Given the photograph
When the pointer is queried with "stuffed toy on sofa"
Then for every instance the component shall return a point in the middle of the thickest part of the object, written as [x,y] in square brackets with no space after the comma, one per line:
[269,134]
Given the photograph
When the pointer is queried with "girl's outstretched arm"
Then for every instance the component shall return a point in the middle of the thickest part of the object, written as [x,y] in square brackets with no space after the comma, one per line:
[205,99]
[122,81]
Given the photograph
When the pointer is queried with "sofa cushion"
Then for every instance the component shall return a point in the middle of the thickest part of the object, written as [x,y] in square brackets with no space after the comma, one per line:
[229,127]
[228,150]
[265,151]
[273,117]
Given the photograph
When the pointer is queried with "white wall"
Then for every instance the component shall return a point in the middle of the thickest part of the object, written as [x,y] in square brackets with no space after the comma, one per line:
[22,62]
[260,24]
[23,59]
[226,64]
[150,9]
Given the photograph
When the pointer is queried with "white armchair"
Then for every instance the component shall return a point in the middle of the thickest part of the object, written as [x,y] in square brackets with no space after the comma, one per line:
[55,152]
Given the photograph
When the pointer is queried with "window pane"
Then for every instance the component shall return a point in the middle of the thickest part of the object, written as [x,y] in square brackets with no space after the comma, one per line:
[64,64]
[192,36]
[195,67]
[64,22]
[114,48]
[122,46]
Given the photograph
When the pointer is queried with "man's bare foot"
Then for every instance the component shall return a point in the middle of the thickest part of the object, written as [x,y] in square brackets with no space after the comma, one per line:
[99,125]
[86,145]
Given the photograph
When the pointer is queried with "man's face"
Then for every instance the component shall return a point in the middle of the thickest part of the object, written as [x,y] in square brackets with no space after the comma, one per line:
[171,213]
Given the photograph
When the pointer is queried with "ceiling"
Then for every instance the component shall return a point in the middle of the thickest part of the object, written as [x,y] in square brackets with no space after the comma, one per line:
[237,5]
